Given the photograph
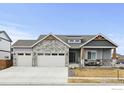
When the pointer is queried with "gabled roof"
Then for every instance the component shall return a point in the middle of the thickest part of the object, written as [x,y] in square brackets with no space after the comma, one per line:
[102,36]
[39,40]
[6,35]
[63,38]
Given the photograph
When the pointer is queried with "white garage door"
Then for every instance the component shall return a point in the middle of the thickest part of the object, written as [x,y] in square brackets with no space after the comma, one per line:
[51,60]
[24,59]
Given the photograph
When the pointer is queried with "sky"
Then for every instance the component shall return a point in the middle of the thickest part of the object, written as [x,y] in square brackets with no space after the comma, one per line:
[28,21]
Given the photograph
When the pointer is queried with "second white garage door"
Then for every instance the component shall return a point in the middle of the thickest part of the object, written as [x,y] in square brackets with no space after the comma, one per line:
[51,60]
[24,59]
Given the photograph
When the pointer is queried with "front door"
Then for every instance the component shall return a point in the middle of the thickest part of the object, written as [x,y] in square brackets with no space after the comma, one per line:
[72,57]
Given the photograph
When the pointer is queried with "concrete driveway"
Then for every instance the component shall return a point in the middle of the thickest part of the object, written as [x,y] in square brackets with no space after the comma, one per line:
[34,75]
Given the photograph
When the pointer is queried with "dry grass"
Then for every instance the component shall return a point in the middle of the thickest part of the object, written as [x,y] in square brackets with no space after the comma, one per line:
[121,73]
[96,72]
[94,81]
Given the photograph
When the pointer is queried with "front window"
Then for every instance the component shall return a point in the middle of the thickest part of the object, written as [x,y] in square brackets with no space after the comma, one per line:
[74,41]
[91,55]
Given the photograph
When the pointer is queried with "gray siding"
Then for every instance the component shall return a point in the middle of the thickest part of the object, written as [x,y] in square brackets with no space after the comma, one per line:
[99,43]
[99,53]
[106,53]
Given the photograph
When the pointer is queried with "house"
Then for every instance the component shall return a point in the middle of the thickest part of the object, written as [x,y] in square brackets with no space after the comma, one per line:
[65,50]
[5,49]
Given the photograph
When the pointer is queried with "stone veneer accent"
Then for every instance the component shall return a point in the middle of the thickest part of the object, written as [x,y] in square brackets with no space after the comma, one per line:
[51,46]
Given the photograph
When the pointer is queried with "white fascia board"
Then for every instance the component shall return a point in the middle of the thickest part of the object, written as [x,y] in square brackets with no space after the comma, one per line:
[99,47]
[21,46]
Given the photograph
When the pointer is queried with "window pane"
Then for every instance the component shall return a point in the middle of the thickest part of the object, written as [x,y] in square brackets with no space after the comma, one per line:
[54,54]
[71,41]
[77,41]
[48,54]
[89,55]
[93,55]
[20,54]
[61,54]
[28,54]
[40,53]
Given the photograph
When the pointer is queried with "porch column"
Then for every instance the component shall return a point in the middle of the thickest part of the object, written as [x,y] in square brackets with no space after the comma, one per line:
[114,58]
[33,59]
[82,56]
[114,54]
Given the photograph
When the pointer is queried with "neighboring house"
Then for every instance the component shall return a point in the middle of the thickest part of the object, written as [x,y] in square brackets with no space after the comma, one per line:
[5,46]
[65,50]
[5,50]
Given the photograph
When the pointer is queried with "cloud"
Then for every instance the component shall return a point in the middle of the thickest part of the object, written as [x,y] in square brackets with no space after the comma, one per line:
[16,31]
[7,23]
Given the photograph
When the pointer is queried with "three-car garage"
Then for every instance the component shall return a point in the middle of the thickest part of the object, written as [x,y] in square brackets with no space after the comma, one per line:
[50,51]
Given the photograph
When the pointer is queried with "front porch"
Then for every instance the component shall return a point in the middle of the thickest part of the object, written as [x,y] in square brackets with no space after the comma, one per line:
[92,57]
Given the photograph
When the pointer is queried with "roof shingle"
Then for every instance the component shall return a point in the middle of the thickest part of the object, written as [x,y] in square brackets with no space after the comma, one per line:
[24,42]
[65,38]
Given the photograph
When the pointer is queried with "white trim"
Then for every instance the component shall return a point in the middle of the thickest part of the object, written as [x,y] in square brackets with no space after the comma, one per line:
[91,51]
[53,36]
[102,36]
[99,47]
[22,46]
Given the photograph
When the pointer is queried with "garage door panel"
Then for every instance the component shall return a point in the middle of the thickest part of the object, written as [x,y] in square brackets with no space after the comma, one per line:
[51,61]
[24,60]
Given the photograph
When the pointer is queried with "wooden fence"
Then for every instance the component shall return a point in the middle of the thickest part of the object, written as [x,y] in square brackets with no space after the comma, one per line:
[5,64]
